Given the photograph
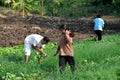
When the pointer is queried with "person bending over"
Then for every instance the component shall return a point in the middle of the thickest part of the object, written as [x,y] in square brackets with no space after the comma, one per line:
[35,41]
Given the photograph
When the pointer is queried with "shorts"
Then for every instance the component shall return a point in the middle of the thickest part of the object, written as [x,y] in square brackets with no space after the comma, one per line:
[27,48]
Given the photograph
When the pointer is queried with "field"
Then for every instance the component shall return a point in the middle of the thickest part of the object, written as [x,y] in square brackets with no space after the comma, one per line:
[94,61]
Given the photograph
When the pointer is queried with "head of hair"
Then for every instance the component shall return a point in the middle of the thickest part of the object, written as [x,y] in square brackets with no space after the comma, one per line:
[46,39]
[61,27]
[98,16]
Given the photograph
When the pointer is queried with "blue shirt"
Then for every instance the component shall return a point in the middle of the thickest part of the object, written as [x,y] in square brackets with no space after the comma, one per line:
[98,24]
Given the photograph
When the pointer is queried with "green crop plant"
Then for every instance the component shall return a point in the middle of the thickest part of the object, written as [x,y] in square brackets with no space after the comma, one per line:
[94,61]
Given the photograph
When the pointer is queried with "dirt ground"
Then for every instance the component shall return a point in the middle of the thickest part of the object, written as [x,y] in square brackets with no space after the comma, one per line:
[14,28]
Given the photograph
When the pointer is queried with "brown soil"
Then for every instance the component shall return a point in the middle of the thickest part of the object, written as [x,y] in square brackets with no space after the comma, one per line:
[14,29]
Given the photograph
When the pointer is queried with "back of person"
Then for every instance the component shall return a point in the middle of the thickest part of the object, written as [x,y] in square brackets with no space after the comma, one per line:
[34,39]
[99,24]
[98,27]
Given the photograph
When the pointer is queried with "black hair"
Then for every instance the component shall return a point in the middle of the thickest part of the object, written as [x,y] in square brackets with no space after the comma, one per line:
[46,39]
[98,16]
[62,27]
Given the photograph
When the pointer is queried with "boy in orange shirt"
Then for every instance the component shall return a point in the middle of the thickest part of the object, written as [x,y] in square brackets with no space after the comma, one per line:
[65,49]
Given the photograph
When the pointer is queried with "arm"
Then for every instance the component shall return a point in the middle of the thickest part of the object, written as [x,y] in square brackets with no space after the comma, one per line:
[39,50]
[67,37]
[103,24]
[57,50]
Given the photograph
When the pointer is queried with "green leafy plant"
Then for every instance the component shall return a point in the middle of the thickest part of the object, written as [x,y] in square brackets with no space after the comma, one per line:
[94,60]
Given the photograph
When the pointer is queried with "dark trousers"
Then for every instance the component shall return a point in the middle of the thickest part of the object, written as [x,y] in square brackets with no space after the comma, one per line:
[63,61]
[99,34]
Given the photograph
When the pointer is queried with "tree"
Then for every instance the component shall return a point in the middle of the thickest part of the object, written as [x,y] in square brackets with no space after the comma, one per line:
[22,6]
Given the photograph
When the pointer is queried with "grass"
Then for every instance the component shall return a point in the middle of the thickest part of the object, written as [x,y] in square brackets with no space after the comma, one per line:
[94,61]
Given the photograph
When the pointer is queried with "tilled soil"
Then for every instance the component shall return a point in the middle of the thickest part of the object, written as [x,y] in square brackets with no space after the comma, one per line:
[14,29]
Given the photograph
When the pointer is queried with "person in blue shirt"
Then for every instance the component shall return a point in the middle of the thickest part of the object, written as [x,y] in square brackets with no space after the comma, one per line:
[98,27]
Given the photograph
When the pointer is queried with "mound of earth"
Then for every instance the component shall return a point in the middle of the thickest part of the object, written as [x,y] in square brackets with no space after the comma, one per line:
[14,29]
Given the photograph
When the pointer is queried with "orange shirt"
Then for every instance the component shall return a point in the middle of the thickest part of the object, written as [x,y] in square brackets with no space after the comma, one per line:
[65,45]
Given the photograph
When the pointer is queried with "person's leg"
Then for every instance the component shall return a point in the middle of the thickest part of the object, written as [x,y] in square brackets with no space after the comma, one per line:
[27,52]
[71,62]
[95,36]
[26,58]
[99,35]
[62,63]
[96,32]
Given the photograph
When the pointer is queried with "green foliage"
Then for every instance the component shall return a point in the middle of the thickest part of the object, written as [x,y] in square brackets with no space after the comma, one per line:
[94,61]
[65,8]
[9,50]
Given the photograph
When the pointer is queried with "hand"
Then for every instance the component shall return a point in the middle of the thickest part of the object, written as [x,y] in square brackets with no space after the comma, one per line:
[41,57]
[44,55]
[67,32]
[55,54]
